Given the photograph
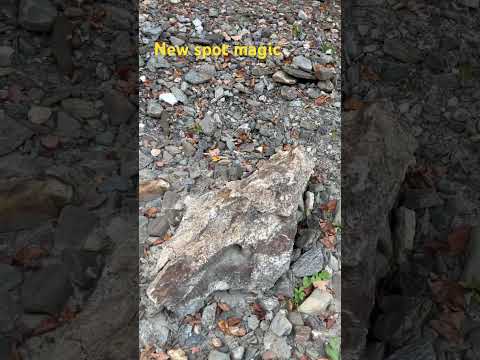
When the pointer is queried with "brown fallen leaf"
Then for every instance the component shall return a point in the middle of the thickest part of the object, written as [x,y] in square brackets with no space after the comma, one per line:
[232,326]
[329,234]
[449,325]
[329,322]
[322,100]
[28,254]
[352,104]
[329,206]
[151,212]
[46,325]
[160,241]
[321,284]
[449,294]
[259,311]
[458,240]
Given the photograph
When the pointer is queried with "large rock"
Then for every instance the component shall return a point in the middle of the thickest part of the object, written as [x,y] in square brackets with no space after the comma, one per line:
[36,15]
[239,237]
[376,153]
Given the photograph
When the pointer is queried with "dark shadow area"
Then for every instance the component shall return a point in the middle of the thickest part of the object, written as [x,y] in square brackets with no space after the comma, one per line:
[410,180]
[68,180]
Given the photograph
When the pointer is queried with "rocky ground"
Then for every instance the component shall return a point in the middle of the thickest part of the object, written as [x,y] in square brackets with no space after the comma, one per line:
[421,59]
[207,122]
[68,177]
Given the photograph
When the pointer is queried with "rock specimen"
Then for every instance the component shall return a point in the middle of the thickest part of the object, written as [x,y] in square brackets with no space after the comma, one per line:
[375,157]
[239,237]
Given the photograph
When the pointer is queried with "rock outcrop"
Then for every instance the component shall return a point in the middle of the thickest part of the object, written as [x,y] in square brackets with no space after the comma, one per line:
[376,153]
[239,237]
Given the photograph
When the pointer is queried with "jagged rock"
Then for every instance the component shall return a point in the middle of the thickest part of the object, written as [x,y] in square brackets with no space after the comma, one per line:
[375,162]
[239,237]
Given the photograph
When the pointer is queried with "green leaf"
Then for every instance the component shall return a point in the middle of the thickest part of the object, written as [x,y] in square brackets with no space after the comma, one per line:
[332,348]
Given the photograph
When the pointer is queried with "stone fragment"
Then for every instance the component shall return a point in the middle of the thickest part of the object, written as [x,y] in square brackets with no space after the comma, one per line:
[303,63]
[282,78]
[280,325]
[239,237]
[302,334]
[196,78]
[154,109]
[404,230]
[421,199]
[169,98]
[472,267]
[118,107]
[46,290]
[62,44]
[12,134]
[277,345]
[297,73]
[317,303]
[151,189]
[217,355]
[39,114]
[153,331]
[402,51]
[74,225]
[309,263]
[324,73]
[36,15]
[6,53]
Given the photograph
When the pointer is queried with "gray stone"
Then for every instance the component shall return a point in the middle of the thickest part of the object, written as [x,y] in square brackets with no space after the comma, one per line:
[208,124]
[403,230]
[280,325]
[474,4]
[168,98]
[382,152]
[179,95]
[238,352]
[12,134]
[472,266]
[74,225]
[324,73]
[67,125]
[46,290]
[295,318]
[118,107]
[297,73]
[309,263]
[209,315]
[158,227]
[253,322]
[79,108]
[153,331]
[6,53]
[154,109]
[195,77]
[10,277]
[8,312]
[402,51]
[282,78]
[302,63]
[239,237]
[422,198]
[418,350]
[217,355]
[317,303]
[277,345]
[36,15]
[39,114]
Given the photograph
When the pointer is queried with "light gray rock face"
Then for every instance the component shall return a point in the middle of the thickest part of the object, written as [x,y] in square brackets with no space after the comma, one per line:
[239,237]
[375,162]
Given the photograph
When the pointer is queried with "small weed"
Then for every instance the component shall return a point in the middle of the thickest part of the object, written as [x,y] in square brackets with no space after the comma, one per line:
[327,47]
[296,31]
[197,128]
[332,348]
[307,281]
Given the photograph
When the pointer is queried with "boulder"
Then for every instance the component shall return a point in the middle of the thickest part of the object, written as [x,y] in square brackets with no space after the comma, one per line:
[236,238]
[376,152]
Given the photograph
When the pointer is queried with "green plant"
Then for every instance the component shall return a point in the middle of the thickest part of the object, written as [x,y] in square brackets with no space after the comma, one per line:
[327,47]
[474,287]
[197,128]
[307,281]
[296,30]
[332,348]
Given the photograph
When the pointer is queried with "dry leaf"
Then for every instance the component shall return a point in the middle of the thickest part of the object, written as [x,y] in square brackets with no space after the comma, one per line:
[151,212]
[27,254]
[224,307]
[259,311]
[322,100]
[353,104]
[449,325]
[458,240]
[449,294]
[329,206]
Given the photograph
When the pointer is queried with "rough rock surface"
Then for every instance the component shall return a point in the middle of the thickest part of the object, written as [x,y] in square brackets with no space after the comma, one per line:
[380,154]
[239,237]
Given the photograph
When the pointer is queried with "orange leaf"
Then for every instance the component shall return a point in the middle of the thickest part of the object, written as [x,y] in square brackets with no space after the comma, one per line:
[151,212]
[322,100]
[259,311]
[329,206]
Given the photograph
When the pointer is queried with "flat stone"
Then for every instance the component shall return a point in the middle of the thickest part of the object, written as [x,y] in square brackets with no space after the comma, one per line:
[277,345]
[402,51]
[309,263]
[79,108]
[209,316]
[36,15]
[421,199]
[158,227]
[196,78]
[282,78]
[152,189]
[12,134]
[154,109]
[239,237]
[303,63]
[46,290]
[208,124]
[297,73]
[419,349]
[143,160]
[324,73]
[74,225]
[280,325]
[217,355]
[118,107]
[68,125]
[317,303]
[6,53]
[39,114]
[154,331]
[302,334]
[169,98]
